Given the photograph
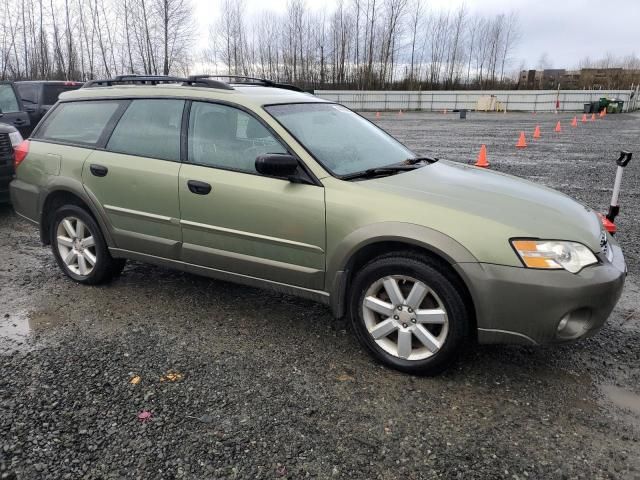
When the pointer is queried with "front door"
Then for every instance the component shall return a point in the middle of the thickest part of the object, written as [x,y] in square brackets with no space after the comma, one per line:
[135,178]
[236,220]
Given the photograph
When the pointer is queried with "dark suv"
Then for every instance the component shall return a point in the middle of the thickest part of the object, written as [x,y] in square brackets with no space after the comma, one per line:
[12,110]
[39,96]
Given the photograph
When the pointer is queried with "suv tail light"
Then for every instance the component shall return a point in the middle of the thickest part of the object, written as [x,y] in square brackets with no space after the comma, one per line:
[20,153]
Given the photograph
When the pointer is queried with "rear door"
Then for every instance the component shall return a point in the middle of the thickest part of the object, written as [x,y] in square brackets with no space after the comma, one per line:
[235,219]
[11,109]
[135,177]
[30,95]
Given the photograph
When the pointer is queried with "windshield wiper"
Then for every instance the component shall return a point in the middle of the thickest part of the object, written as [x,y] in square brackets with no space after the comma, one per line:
[405,165]
[375,172]
[414,160]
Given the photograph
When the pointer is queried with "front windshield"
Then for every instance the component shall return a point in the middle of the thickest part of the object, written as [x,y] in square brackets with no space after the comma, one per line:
[341,140]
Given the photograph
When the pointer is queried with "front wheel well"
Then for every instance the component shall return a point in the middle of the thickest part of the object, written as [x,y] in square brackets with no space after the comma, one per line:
[54,201]
[377,250]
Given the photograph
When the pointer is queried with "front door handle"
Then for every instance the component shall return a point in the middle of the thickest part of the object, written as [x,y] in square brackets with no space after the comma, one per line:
[199,188]
[98,170]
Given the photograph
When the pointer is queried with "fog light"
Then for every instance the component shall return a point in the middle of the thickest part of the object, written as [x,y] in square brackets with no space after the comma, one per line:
[563,323]
[574,324]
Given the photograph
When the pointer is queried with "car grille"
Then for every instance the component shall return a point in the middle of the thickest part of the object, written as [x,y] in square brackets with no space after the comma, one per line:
[6,150]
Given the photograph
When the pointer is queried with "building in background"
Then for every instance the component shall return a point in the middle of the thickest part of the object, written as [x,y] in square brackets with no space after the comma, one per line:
[585,78]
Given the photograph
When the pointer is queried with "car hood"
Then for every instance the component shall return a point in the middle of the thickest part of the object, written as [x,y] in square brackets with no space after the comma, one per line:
[460,200]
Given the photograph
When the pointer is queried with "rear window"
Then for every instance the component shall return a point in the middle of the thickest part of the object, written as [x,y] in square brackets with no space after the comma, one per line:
[8,100]
[52,92]
[149,128]
[78,122]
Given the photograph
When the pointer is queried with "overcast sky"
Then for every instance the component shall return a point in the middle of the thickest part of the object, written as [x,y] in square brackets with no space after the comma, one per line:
[567,30]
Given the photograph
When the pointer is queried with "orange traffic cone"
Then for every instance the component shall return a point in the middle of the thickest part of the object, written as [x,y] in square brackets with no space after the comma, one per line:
[377,114]
[574,122]
[522,142]
[536,132]
[444,111]
[558,128]
[593,117]
[604,112]
[400,113]
[584,117]
[482,157]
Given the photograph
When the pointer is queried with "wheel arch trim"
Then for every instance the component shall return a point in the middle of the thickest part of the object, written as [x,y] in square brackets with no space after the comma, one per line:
[76,188]
[411,235]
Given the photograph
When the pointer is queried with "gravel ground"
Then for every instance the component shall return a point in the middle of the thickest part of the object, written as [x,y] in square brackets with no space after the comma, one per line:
[270,386]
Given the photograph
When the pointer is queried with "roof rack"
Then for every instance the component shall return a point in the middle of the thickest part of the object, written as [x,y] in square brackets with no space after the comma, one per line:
[244,80]
[193,80]
[157,80]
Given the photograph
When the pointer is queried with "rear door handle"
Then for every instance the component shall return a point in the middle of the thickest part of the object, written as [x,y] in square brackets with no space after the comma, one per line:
[19,121]
[98,170]
[199,188]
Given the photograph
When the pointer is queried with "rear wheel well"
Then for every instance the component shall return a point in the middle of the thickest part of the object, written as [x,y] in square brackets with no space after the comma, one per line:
[54,201]
[377,250]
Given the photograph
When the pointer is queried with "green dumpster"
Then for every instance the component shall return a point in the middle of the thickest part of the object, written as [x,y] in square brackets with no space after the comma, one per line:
[603,104]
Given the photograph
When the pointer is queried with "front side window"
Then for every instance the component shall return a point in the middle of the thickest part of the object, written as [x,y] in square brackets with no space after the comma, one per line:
[8,100]
[339,139]
[78,122]
[149,128]
[226,137]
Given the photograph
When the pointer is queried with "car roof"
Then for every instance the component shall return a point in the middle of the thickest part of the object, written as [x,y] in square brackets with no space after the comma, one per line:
[245,95]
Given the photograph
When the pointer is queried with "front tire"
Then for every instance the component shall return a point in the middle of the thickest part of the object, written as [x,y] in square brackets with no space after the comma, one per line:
[409,313]
[79,247]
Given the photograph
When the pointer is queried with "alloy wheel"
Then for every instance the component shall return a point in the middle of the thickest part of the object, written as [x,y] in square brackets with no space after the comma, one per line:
[405,317]
[76,246]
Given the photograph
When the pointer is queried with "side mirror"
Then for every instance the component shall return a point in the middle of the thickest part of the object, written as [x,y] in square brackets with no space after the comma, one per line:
[277,165]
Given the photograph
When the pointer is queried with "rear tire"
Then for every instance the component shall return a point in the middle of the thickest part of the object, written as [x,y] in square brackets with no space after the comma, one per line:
[79,247]
[409,313]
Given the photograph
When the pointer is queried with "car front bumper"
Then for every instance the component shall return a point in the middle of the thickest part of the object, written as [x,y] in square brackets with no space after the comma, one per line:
[525,306]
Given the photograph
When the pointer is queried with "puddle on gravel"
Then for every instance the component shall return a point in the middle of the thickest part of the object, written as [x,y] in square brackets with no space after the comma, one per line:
[623,399]
[16,329]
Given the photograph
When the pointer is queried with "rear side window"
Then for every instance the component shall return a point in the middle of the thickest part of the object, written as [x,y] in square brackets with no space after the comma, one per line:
[52,92]
[8,100]
[149,128]
[78,122]
[28,92]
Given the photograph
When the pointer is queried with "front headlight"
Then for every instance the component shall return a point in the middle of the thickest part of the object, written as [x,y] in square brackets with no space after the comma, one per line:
[553,254]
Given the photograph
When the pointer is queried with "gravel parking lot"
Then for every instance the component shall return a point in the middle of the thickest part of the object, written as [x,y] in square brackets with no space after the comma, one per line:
[243,383]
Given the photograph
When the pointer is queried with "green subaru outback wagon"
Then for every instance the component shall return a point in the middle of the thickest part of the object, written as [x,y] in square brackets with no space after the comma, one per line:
[253,182]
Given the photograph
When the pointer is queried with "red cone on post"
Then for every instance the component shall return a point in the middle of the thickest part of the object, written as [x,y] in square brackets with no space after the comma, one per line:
[482,157]
[522,141]
[536,132]
[558,128]
[584,117]
[574,122]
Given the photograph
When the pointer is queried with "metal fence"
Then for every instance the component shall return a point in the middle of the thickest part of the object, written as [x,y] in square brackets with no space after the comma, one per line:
[521,100]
